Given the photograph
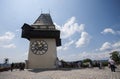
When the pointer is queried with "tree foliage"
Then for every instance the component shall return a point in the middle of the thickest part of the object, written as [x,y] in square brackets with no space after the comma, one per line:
[87,60]
[115,55]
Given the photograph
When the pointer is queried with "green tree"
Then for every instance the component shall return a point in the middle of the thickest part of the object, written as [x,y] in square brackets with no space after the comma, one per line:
[115,55]
[87,60]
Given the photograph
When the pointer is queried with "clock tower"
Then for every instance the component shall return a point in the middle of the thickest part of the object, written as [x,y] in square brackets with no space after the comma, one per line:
[44,38]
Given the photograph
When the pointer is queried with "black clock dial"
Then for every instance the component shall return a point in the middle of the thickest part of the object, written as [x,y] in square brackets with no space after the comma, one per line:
[39,47]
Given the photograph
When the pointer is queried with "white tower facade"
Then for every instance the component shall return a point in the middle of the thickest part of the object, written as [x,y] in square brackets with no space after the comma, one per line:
[44,39]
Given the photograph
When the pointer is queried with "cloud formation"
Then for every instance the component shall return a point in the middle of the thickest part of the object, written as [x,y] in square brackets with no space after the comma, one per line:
[84,55]
[6,39]
[106,46]
[66,45]
[110,46]
[70,28]
[102,53]
[9,46]
[7,36]
[108,30]
[83,40]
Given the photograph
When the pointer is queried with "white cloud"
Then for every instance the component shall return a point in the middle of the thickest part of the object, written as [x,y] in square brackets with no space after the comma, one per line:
[59,48]
[70,28]
[84,55]
[9,46]
[6,39]
[18,30]
[110,47]
[83,40]
[106,46]
[7,36]
[94,56]
[66,45]
[108,30]
[116,46]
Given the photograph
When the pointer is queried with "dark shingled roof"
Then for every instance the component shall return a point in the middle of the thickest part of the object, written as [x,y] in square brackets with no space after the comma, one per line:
[44,19]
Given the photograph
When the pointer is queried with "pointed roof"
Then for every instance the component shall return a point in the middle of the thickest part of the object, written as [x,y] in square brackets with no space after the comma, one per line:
[44,19]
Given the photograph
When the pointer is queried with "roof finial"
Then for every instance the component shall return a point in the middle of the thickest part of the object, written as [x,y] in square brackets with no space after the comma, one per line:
[49,11]
[41,11]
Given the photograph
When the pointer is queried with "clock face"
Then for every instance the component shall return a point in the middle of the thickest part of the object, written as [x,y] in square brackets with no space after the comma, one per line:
[39,47]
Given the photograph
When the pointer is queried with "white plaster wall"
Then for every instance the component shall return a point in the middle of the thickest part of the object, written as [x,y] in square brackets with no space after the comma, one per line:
[46,60]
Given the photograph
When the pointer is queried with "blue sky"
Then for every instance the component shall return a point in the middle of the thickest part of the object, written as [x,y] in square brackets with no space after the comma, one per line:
[89,28]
